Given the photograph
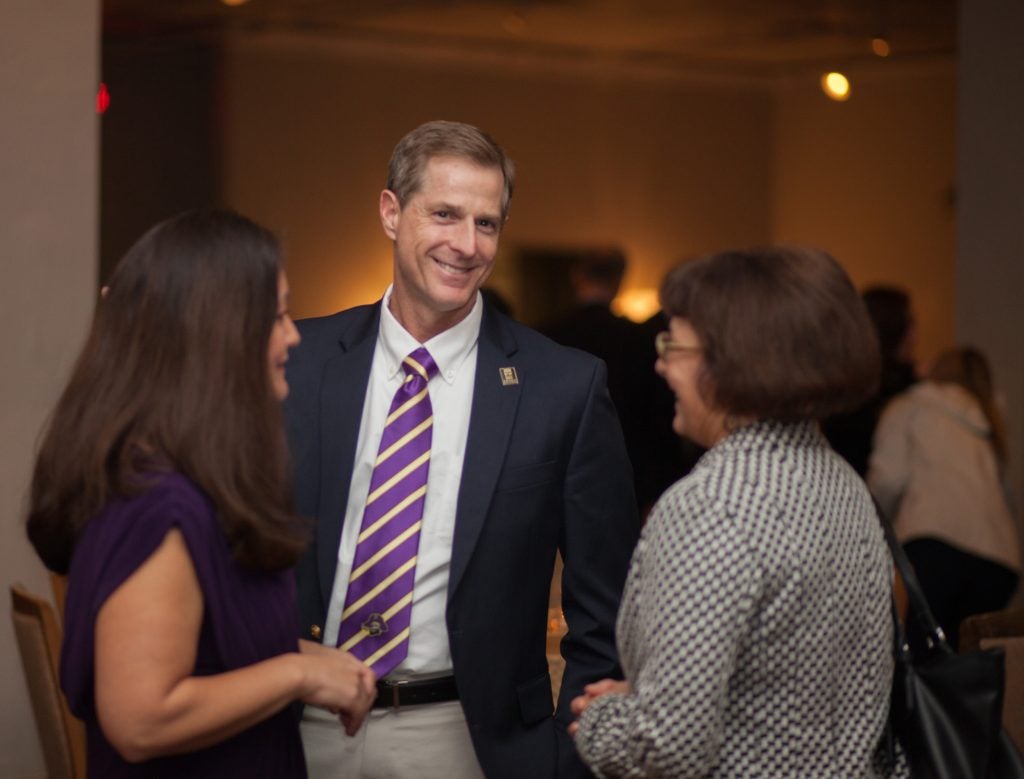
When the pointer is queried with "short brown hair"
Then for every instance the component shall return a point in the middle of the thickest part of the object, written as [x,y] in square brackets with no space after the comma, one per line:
[446,139]
[174,376]
[784,332]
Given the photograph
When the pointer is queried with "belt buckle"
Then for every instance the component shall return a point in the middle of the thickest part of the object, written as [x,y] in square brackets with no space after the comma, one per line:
[395,686]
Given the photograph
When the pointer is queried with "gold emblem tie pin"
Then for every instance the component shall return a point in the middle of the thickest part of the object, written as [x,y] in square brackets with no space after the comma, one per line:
[375,625]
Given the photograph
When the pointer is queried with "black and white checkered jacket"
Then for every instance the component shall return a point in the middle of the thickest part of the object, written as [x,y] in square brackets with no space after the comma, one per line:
[755,627]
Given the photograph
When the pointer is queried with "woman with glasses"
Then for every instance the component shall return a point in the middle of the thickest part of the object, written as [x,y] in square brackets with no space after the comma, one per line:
[161,490]
[755,630]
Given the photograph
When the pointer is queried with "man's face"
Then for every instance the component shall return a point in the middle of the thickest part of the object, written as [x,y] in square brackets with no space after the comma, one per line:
[445,239]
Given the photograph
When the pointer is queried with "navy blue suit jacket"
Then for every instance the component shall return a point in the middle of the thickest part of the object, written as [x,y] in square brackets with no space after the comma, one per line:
[545,470]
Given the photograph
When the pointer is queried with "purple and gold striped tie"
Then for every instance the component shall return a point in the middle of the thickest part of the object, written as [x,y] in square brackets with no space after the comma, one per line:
[378,604]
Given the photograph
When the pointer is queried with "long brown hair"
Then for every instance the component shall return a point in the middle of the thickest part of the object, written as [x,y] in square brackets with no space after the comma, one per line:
[174,376]
[968,368]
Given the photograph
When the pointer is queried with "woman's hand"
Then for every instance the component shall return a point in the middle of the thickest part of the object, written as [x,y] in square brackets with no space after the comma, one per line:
[591,693]
[338,682]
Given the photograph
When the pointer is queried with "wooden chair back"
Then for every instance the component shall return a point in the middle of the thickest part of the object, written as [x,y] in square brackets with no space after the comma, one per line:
[61,735]
[1002,629]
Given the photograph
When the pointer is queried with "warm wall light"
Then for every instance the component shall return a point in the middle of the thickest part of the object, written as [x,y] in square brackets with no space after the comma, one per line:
[836,86]
[638,305]
[880,46]
[234,2]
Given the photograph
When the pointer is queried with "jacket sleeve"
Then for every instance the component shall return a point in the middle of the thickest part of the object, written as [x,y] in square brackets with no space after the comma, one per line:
[889,466]
[598,534]
[693,617]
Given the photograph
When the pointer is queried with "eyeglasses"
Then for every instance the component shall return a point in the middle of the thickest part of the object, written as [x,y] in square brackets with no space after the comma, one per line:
[664,344]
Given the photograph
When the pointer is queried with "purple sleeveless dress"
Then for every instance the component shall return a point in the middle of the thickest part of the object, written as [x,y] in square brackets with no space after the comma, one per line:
[249,616]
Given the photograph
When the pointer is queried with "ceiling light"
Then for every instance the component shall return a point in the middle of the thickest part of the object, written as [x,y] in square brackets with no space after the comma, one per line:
[880,46]
[836,86]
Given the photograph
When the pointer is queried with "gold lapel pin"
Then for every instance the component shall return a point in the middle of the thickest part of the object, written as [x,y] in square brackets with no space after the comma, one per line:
[508,376]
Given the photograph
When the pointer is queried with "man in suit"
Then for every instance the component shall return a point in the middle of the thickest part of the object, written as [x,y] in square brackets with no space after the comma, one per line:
[525,458]
[592,326]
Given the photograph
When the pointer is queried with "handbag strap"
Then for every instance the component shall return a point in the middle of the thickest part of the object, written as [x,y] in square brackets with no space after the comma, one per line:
[919,608]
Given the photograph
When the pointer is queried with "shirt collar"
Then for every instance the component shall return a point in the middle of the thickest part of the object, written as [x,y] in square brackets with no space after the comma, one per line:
[449,348]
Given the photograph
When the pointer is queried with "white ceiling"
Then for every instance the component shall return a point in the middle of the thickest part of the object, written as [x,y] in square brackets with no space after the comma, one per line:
[725,37]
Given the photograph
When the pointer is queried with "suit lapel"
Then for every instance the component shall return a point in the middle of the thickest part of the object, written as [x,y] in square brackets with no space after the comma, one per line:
[490,427]
[342,395]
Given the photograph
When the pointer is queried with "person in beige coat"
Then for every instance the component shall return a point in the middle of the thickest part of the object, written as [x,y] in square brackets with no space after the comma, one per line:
[936,471]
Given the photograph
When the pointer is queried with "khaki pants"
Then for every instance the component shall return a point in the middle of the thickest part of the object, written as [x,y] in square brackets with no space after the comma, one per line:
[429,741]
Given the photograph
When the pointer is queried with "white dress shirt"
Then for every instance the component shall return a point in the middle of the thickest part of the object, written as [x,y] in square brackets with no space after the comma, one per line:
[451,397]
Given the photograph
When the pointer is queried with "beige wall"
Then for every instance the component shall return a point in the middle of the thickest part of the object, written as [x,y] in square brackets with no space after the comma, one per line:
[990,237]
[660,167]
[871,180]
[667,168]
[48,217]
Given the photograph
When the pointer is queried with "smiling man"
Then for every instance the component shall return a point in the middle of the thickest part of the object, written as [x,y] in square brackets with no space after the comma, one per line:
[447,453]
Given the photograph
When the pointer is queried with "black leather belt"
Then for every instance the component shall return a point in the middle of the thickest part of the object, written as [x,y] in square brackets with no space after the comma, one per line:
[395,694]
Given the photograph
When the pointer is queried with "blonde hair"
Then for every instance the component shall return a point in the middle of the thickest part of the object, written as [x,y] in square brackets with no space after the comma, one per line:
[968,368]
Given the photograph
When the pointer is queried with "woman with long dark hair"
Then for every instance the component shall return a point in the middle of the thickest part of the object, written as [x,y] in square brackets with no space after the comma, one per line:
[161,489]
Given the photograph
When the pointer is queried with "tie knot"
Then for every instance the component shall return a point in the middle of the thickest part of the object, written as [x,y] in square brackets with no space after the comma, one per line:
[420,363]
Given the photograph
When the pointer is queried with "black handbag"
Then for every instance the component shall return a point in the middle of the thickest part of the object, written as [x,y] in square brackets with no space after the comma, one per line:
[946,709]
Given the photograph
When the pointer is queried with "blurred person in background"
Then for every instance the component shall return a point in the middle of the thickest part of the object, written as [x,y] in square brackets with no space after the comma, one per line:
[643,402]
[851,432]
[937,471]
[591,325]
